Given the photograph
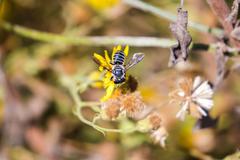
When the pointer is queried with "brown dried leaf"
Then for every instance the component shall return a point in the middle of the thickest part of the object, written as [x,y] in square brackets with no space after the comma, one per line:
[234,12]
[179,29]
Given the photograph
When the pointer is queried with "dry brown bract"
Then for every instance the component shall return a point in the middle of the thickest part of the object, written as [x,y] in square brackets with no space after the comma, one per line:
[195,97]
[179,29]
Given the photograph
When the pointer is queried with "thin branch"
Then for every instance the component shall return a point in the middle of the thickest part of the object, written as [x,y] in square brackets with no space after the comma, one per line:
[181,3]
[96,41]
[88,40]
[104,40]
[171,17]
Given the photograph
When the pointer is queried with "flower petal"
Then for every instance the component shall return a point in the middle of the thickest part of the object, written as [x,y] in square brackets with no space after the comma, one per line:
[204,86]
[101,61]
[108,60]
[197,81]
[201,111]
[181,114]
[204,103]
[181,93]
[109,92]
[126,50]
[119,48]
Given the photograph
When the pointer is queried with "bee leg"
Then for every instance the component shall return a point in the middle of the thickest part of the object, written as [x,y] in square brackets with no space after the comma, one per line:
[111,78]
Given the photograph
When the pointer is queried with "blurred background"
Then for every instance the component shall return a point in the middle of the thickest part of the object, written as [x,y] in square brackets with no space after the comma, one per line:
[36,120]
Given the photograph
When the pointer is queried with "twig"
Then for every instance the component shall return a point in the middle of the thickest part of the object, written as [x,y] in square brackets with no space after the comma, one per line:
[102,40]
[88,40]
[94,41]
[169,16]
[181,3]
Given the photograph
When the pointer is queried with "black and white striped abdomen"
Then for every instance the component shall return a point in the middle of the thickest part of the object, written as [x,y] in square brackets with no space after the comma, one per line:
[119,58]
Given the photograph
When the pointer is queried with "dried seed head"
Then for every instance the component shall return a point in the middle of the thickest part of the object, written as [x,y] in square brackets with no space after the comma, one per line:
[150,123]
[111,109]
[155,120]
[195,98]
[132,104]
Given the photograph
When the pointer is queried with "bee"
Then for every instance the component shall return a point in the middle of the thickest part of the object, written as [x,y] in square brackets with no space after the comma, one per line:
[119,67]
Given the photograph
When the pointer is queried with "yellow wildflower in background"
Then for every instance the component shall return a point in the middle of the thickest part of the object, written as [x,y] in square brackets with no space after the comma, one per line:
[102,4]
[106,66]
[4,8]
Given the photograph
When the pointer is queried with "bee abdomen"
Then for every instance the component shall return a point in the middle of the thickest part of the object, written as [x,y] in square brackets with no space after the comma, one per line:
[119,57]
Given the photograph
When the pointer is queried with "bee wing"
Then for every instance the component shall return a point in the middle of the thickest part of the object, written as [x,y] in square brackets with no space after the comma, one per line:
[136,58]
[101,61]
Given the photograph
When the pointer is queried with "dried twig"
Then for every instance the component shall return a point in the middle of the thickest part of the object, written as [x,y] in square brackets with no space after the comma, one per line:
[181,3]
[88,40]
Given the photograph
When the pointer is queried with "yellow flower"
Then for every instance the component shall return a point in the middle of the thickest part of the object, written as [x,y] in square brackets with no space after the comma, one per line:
[102,4]
[106,66]
[95,78]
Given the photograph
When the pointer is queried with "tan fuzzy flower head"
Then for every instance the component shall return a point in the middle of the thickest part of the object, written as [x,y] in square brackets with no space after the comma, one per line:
[155,120]
[194,96]
[128,105]
[111,109]
[132,104]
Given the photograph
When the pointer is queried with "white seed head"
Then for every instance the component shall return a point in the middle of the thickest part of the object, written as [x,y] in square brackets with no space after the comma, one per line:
[200,95]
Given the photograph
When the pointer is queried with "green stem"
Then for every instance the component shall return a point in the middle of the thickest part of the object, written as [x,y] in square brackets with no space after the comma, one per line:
[171,17]
[99,128]
[102,40]
[88,40]
[80,104]
[96,40]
